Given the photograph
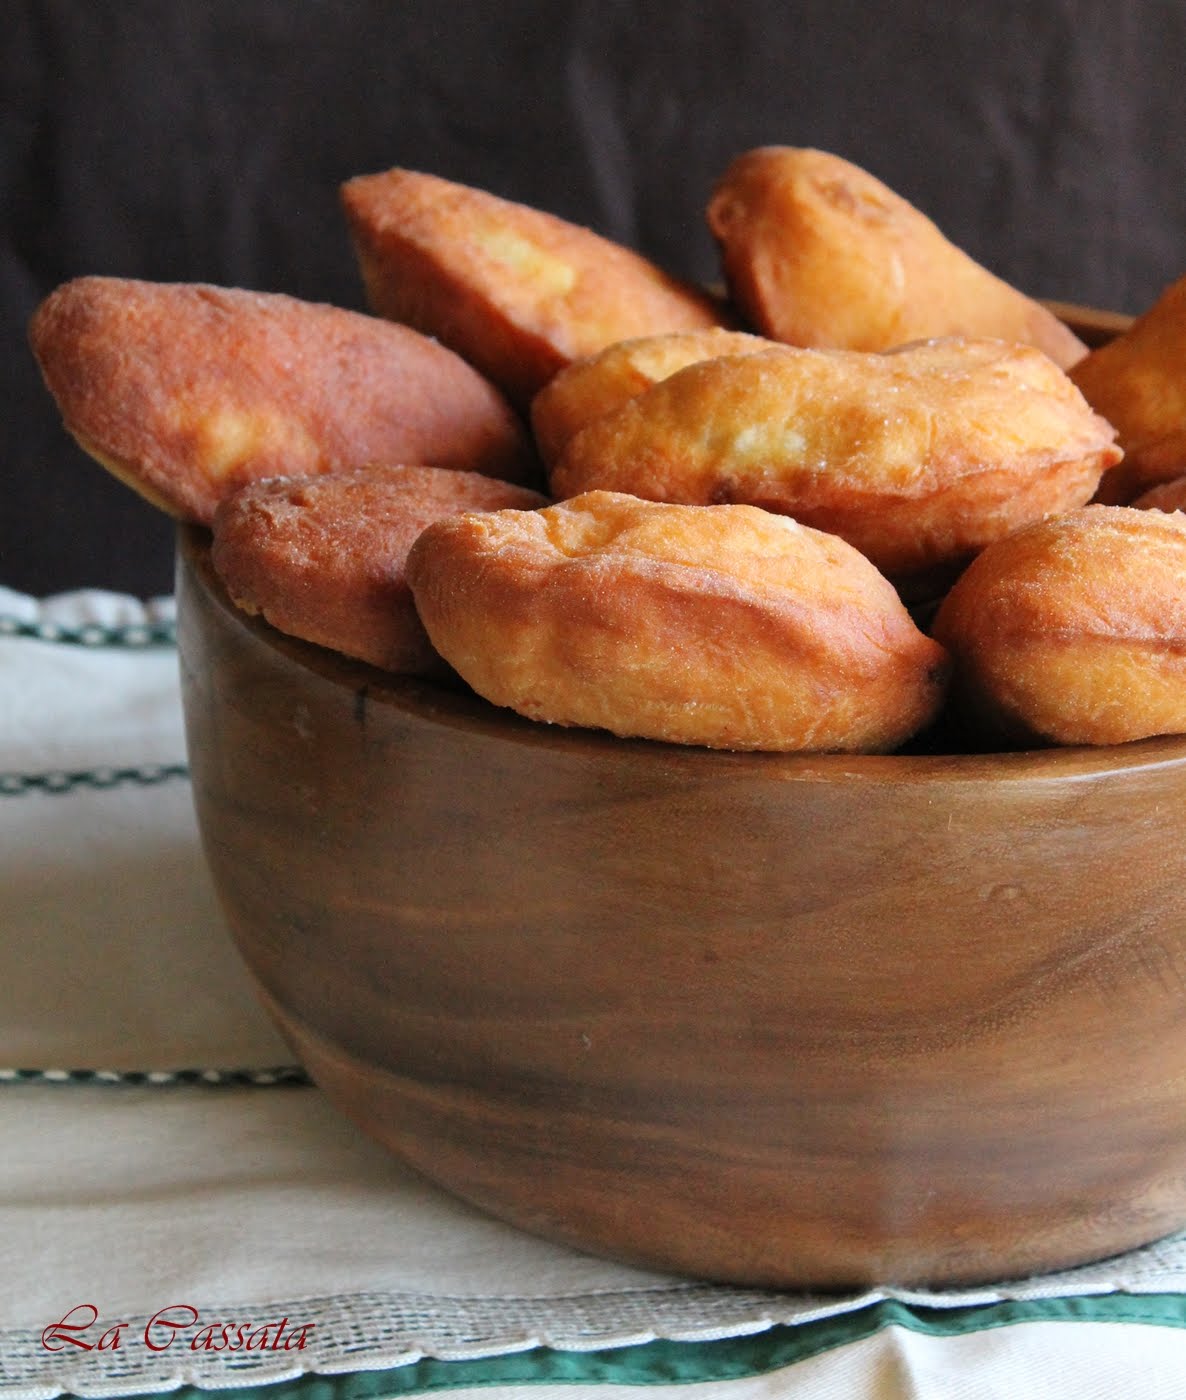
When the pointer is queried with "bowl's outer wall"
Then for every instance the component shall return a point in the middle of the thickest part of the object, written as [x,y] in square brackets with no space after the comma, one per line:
[771,1020]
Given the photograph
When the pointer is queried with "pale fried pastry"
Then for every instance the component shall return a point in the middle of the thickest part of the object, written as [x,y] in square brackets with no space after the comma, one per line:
[720,626]
[1138,382]
[518,292]
[817,251]
[1074,631]
[323,558]
[185,392]
[592,386]
[918,457]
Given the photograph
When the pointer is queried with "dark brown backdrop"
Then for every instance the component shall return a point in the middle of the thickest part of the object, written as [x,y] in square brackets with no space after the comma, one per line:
[204,140]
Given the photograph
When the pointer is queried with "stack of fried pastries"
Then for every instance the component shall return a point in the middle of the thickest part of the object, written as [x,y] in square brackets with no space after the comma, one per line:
[743,494]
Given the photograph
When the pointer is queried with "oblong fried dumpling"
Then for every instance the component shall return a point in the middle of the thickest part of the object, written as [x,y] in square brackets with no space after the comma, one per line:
[324,558]
[1138,382]
[1073,631]
[186,391]
[817,251]
[722,626]
[517,291]
[919,457]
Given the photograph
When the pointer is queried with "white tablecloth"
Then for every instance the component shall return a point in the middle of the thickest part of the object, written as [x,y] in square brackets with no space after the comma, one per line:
[180,1207]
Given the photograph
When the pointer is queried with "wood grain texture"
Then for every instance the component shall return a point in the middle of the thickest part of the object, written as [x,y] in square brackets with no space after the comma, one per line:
[772,1020]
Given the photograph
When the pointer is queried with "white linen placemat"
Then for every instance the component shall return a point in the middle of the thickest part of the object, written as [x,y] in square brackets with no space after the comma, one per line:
[180,1166]
[252,1206]
[114,951]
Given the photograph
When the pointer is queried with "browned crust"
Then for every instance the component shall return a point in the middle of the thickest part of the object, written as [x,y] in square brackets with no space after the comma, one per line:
[919,458]
[324,558]
[721,626]
[1074,630]
[518,292]
[817,251]
[188,391]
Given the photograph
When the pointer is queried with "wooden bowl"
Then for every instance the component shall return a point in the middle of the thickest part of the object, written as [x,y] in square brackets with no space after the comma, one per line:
[768,1019]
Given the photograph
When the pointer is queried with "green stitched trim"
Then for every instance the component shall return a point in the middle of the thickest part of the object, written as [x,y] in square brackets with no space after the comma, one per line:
[266,1077]
[137,635]
[97,779]
[686,1363]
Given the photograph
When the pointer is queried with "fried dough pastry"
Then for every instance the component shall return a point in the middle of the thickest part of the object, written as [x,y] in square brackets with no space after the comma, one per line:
[721,626]
[185,391]
[1074,631]
[323,558]
[516,291]
[816,251]
[592,386]
[919,457]
[1170,495]
[1138,382]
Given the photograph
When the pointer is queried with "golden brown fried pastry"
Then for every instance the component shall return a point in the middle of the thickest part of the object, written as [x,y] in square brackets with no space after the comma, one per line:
[323,558]
[1074,631]
[1138,382]
[816,251]
[1170,495]
[185,392]
[918,457]
[516,291]
[720,626]
[593,386]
